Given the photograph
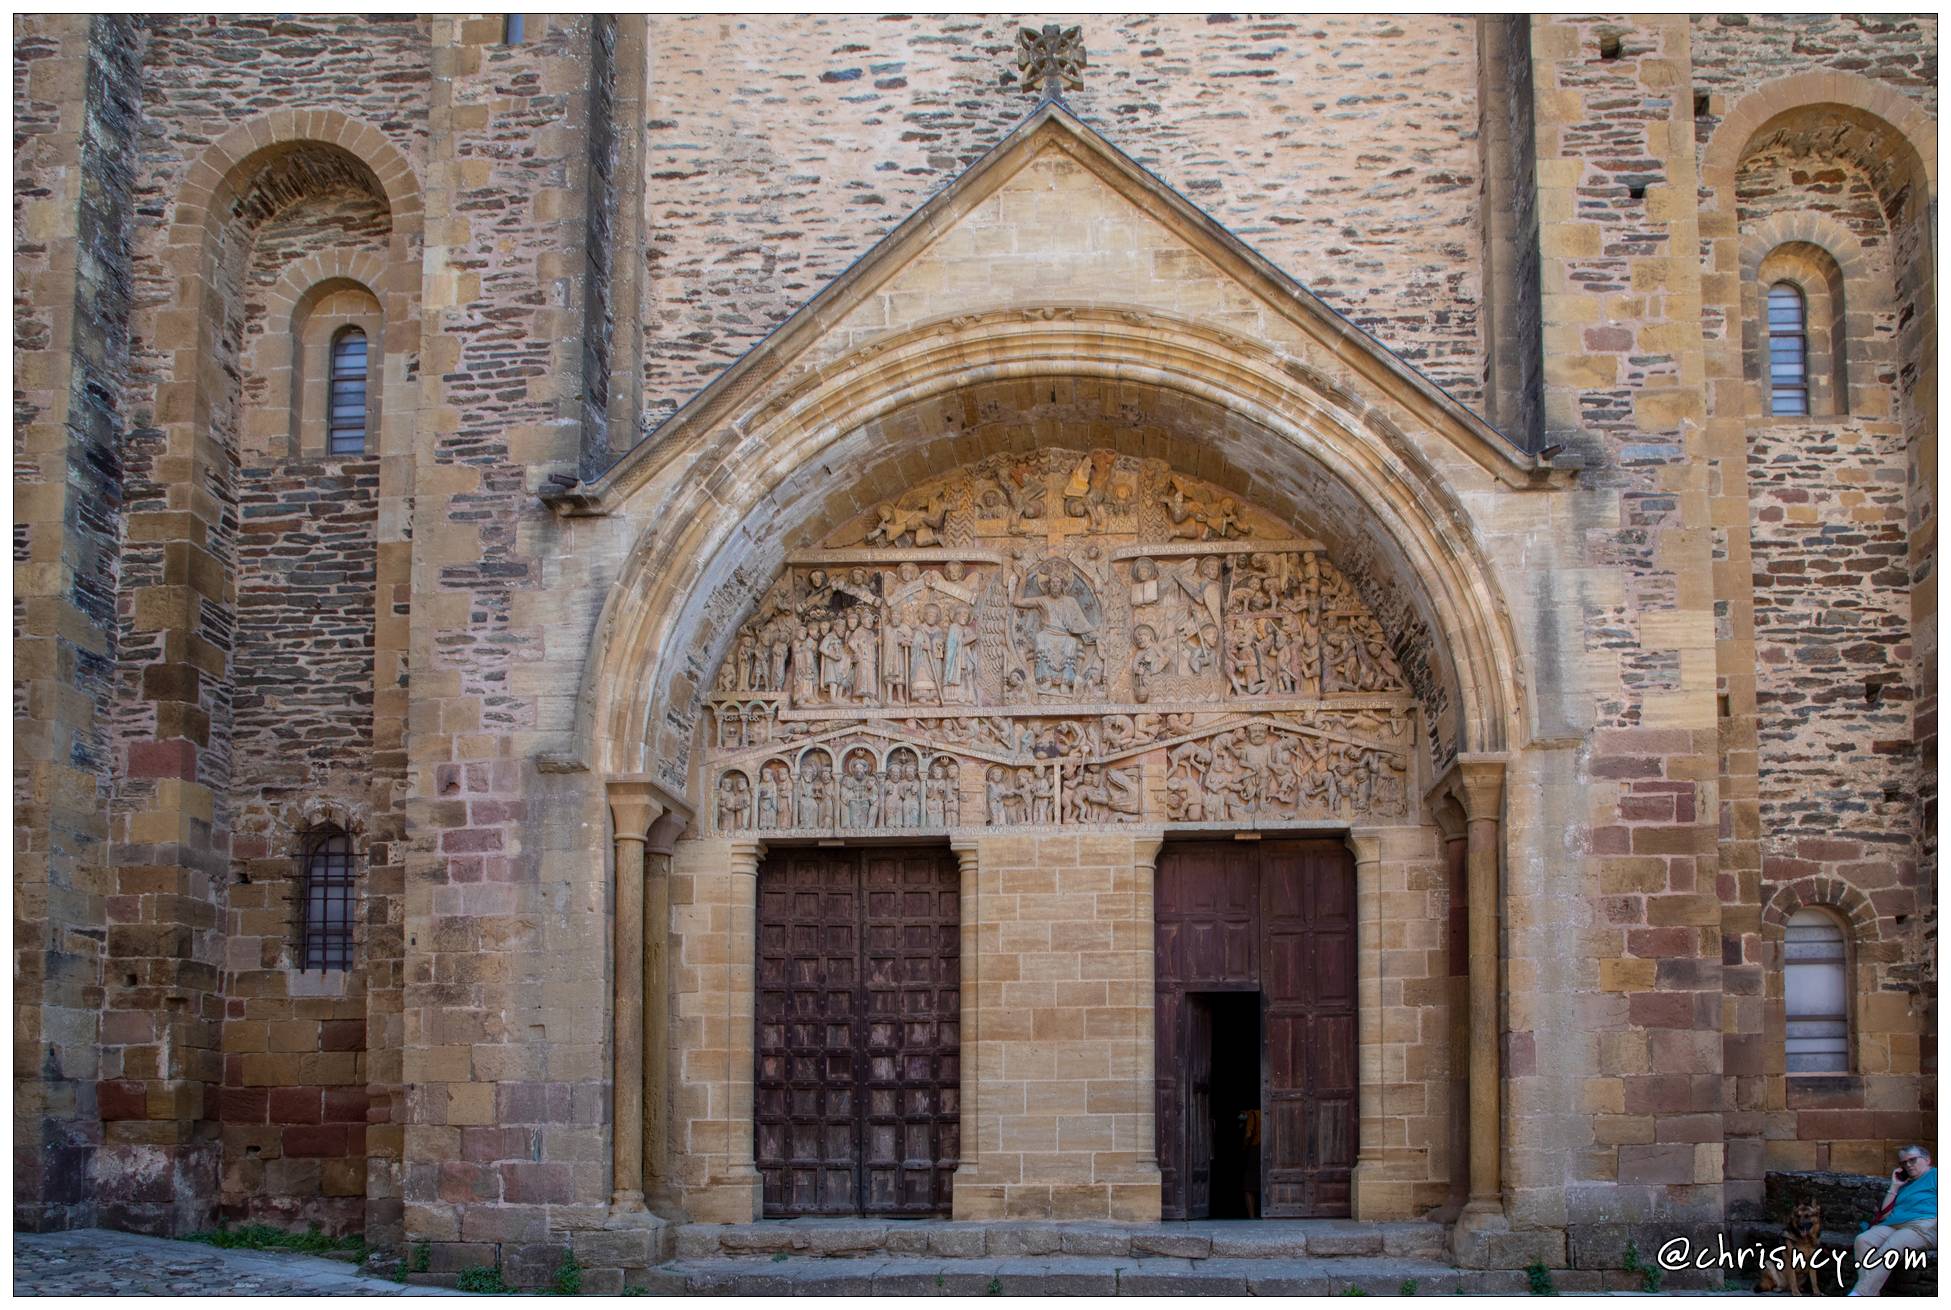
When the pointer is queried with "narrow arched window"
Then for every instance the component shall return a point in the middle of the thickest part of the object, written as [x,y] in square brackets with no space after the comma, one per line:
[326,900]
[345,416]
[1788,350]
[1817,991]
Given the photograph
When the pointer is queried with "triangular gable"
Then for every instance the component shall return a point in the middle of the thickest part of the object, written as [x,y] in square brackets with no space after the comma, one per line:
[1050,125]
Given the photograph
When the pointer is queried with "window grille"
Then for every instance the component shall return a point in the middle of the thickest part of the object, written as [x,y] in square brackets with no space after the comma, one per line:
[1788,350]
[327,897]
[1817,989]
[345,430]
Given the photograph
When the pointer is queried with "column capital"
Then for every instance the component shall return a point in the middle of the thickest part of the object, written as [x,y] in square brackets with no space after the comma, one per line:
[1366,843]
[1145,847]
[637,803]
[968,854]
[1475,782]
[663,835]
[742,855]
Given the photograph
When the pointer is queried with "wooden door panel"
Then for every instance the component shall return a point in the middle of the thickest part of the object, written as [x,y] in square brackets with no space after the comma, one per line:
[856,1107]
[1197,1061]
[1277,916]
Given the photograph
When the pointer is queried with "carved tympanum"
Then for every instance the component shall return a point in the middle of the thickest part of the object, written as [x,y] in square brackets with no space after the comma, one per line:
[1058,638]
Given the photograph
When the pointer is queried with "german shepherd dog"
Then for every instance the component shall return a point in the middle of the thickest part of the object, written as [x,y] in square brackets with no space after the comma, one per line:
[1801,1235]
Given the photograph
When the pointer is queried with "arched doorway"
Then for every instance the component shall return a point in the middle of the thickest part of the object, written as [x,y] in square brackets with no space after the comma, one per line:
[1132,429]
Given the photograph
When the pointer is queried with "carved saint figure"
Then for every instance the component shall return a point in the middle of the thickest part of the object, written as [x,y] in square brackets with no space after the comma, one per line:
[734,800]
[959,658]
[775,796]
[925,656]
[904,799]
[806,665]
[998,793]
[836,669]
[897,649]
[860,793]
[863,648]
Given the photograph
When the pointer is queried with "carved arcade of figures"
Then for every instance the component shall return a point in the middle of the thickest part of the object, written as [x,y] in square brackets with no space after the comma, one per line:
[1084,638]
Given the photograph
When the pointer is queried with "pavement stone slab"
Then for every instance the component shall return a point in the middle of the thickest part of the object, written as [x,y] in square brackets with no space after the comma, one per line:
[97,1262]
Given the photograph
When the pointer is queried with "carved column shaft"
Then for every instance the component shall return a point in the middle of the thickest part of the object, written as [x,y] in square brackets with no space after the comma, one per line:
[1480,789]
[657,1011]
[1145,868]
[969,906]
[741,1000]
[1367,847]
[632,811]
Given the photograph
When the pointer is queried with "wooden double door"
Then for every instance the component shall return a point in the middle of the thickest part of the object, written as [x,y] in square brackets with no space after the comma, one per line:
[857,1105]
[1256,1016]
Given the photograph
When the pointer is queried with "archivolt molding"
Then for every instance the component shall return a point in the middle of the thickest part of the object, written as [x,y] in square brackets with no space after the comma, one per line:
[1846,93]
[750,456]
[1821,230]
[1833,894]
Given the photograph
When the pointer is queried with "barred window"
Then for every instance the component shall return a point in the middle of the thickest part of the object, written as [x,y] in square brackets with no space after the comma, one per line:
[345,418]
[1817,989]
[326,900]
[1788,350]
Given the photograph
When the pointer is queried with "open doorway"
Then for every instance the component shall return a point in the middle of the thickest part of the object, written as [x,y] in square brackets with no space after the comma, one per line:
[1223,1109]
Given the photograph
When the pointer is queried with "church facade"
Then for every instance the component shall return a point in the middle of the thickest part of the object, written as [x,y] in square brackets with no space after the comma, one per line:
[633,622]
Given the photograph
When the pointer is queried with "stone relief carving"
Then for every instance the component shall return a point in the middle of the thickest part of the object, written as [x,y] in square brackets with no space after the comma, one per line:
[1058,638]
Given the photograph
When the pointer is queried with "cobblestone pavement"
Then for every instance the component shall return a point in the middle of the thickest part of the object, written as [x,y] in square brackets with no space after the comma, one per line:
[95,1262]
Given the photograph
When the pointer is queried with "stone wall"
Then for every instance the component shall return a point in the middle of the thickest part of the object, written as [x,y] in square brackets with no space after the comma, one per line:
[1719,635]
[779,153]
[1822,524]
[193,692]
[76,81]
[294,1100]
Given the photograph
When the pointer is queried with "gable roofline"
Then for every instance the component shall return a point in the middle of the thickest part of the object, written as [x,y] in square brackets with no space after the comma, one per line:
[1051,123]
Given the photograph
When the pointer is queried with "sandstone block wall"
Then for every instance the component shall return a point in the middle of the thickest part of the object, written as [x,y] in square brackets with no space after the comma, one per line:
[777,153]
[1723,629]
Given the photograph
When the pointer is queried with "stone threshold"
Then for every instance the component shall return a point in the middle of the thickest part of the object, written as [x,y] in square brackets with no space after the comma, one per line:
[1193,1242]
[786,1275]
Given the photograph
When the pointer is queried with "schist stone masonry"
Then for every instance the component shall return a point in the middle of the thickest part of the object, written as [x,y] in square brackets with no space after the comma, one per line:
[628,628]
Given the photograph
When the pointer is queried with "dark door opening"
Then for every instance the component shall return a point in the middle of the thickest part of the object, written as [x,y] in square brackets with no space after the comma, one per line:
[1227,1135]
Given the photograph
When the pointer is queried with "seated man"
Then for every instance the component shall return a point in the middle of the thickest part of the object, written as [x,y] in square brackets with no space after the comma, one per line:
[1907,1221]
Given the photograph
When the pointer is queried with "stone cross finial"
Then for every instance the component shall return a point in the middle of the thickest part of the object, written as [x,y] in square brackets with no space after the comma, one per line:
[1051,60]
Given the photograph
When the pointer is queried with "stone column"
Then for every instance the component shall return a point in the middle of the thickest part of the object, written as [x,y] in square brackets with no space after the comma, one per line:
[1367,847]
[1478,786]
[632,811]
[658,1187]
[1449,819]
[741,1001]
[1144,860]
[968,855]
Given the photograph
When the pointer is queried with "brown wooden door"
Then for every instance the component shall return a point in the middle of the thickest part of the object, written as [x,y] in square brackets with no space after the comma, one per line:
[1276,917]
[1307,897]
[1198,1067]
[858,1076]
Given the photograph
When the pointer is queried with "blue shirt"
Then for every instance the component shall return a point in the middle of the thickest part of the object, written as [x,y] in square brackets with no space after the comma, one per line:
[1916,1199]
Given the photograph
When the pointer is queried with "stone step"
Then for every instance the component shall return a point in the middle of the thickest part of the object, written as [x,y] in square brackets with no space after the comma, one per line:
[784,1275]
[1199,1241]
